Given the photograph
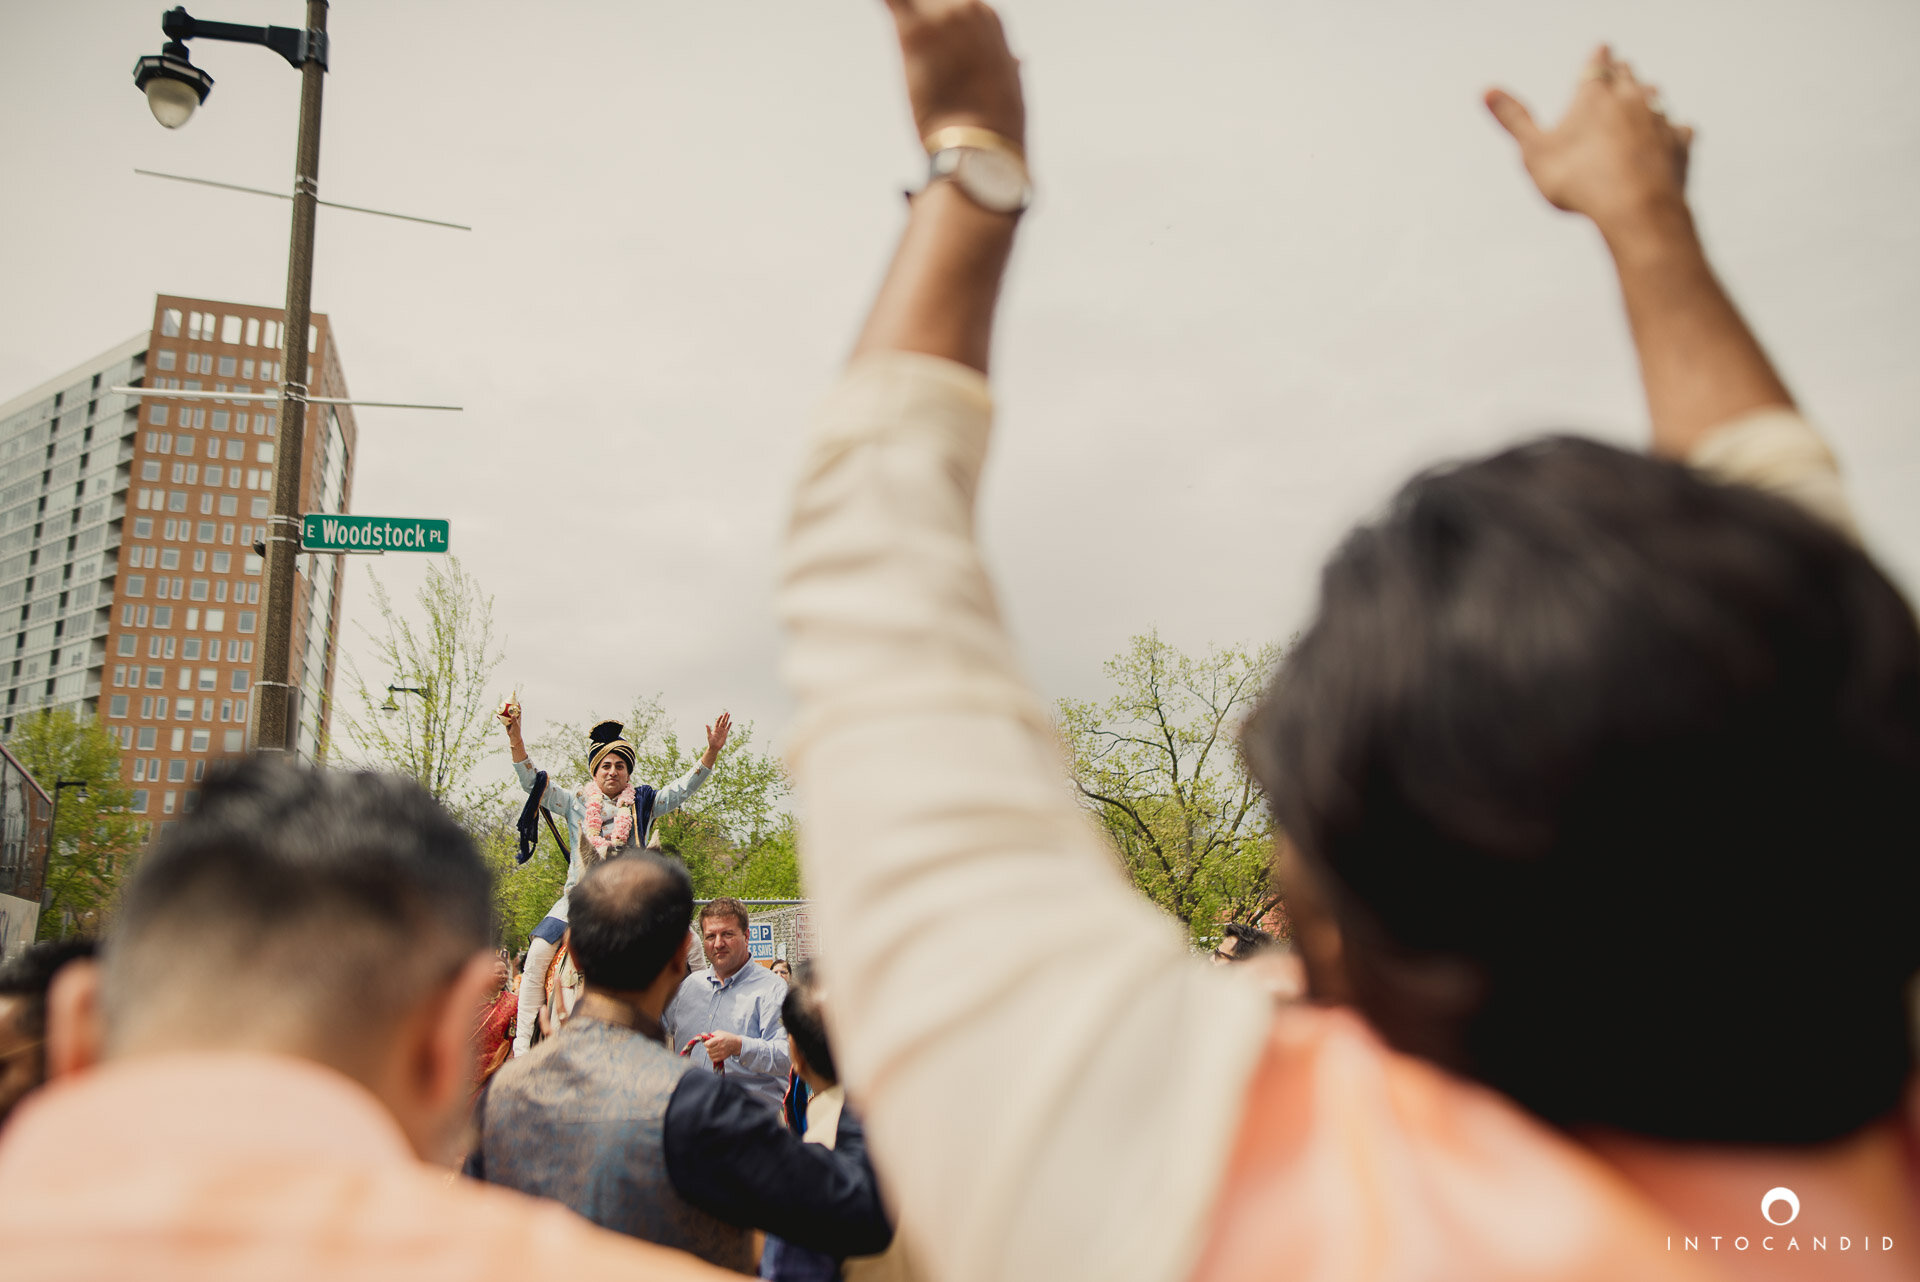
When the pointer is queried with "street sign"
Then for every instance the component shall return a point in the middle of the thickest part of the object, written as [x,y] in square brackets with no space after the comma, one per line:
[760,941]
[325,532]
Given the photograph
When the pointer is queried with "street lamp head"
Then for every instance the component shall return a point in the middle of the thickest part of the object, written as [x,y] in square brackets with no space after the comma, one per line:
[389,705]
[173,85]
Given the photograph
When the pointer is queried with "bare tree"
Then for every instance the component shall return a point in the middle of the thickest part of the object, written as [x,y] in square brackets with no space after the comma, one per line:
[436,726]
[1159,767]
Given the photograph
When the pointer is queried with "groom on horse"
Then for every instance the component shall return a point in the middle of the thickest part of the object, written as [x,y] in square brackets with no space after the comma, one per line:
[605,816]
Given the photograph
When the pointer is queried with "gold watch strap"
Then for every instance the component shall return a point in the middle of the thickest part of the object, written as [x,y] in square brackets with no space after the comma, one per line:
[948,136]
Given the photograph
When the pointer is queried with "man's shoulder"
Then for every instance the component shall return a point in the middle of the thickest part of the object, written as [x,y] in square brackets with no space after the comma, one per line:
[586,1049]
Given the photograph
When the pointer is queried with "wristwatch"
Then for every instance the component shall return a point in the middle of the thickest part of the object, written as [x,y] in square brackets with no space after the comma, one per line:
[989,168]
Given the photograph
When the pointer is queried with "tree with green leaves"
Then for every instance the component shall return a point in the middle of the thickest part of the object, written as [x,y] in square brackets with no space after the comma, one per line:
[734,835]
[436,726]
[96,839]
[1157,764]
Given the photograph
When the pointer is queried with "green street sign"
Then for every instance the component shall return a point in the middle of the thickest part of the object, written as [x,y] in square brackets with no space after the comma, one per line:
[325,532]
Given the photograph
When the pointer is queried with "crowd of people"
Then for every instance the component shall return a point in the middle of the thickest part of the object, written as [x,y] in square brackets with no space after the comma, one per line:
[1595,771]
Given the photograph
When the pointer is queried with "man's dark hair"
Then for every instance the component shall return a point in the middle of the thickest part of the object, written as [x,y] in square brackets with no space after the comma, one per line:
[1252,940]
[626,918]
[1607,774]
[725,906]
[30,974]
[800,1013]
[347,896]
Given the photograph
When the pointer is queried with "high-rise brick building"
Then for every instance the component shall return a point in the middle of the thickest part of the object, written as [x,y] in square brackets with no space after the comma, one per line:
[127,529]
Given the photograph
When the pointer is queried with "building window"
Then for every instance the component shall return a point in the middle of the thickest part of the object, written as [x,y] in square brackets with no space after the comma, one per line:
[166,802]
[158,414]
[170,558]
[145,743]
[213,651]
[253,564]
[216,619]
[150,471]
[118,706]
[220,417]
[139,769]
[136,585]
[253,339]
[209,680]
[162,616]
[233,740]
[143,527]
[128,644]
[202,740]
[245,623]
[206,709]
[229,331]
[170,322]
[156,677]
[176,772]
[139,803]
[186,679]
[164,359]
[229,506]
[193,620]
[160,706]
[199,590]
[176,502]
[239,680]
[264,451]
[183,709]
[220,590]
[190,648]
[215,476]
[205,531]
[229,366]
[222,562]
[259,507]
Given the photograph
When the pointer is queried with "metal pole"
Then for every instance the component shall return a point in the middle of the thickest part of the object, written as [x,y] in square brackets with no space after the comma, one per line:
[274,728]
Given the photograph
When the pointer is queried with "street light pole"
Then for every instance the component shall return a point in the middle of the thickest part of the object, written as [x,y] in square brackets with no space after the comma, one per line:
[275,728]
[174,88]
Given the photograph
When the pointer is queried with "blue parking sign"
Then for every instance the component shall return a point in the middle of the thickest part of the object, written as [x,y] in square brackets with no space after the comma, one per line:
[760,941]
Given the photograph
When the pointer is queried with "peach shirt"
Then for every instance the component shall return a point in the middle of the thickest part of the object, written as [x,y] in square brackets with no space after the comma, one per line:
[255,1167]
[1053,1086]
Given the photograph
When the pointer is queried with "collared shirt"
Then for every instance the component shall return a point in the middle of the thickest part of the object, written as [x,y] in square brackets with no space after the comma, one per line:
[1095,1144]
[746,1004]
[566,805]
[219,1166]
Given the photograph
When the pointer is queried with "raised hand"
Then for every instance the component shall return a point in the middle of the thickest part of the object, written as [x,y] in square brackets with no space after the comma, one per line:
[959,70]
[509,715]
[1614,156]
[717,739]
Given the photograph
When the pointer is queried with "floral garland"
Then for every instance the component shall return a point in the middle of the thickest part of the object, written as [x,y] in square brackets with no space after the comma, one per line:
[622,824]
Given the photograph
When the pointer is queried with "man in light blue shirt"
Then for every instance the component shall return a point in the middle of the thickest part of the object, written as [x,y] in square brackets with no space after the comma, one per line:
[731,1012]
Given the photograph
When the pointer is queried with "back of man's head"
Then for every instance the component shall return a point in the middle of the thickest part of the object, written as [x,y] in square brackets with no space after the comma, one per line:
[24,982]
[806,1024]
[626,920]
[1606,772]
[297,909]
[1249,941]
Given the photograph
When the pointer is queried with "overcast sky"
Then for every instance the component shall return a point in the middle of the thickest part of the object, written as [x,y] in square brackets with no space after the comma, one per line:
[1281,256]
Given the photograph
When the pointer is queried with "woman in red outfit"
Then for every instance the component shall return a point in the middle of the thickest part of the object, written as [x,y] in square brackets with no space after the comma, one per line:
[494,1030]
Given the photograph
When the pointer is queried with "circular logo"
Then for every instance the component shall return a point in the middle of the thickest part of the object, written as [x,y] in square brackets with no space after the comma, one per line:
[1774,1196]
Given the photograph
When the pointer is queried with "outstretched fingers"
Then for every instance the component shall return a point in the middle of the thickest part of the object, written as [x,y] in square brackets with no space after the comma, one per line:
[1513,117]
